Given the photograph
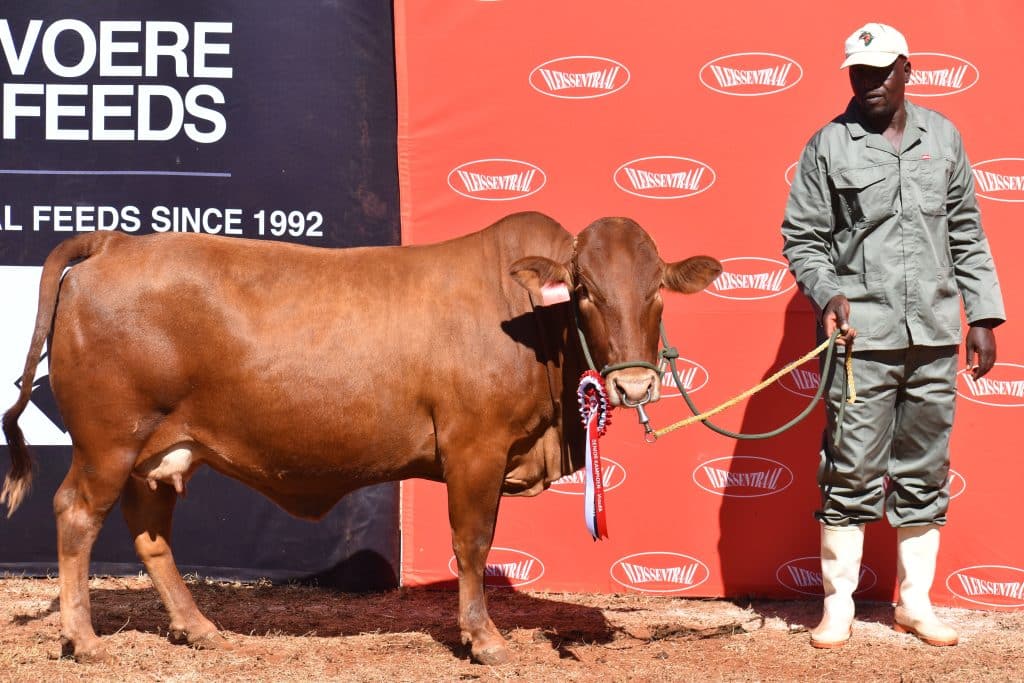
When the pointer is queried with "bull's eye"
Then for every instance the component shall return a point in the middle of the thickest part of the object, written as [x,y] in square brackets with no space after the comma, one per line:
[581,292]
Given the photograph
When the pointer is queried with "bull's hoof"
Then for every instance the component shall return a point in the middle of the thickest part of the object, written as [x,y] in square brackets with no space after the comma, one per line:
[211,640]
[492,656]
[91,651]
[94,654]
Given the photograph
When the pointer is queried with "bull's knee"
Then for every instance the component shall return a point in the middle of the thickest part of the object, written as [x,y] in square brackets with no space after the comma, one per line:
[77,525]
[151,547]
[63,500]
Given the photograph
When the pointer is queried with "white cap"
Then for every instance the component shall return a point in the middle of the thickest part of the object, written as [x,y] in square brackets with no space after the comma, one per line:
[875,45]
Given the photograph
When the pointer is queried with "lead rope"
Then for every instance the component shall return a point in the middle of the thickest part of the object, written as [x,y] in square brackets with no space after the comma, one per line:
[669,353]
[849,392]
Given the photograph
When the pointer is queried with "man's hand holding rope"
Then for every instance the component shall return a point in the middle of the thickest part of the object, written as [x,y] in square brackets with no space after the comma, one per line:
[837,315]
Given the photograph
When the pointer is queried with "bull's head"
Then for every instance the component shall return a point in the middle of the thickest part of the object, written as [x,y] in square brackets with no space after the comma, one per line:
[616,277]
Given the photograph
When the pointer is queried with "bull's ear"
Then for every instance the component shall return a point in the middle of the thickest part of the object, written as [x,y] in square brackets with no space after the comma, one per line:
[691,275]
[547,281]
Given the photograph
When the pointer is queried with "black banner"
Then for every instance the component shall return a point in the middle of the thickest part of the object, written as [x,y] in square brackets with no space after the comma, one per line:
[251,119]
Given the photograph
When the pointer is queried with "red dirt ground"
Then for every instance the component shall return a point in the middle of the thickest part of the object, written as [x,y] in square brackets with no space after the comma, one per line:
[302,633]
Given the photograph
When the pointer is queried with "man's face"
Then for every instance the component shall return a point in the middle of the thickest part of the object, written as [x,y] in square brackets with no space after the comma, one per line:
[879,90]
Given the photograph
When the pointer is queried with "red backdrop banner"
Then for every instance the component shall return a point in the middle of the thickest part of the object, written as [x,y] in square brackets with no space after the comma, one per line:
[689,118]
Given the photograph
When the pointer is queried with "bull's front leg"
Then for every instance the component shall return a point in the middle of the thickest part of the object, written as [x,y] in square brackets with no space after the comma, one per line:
[474,490]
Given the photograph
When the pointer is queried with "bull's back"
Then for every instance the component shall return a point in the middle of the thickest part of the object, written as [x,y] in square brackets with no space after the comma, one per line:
[221,303]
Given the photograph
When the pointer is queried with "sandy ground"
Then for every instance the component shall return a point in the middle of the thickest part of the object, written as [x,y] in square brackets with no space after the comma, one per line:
[302,633]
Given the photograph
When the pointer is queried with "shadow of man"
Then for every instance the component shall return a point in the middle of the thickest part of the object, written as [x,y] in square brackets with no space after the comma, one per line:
[769,539]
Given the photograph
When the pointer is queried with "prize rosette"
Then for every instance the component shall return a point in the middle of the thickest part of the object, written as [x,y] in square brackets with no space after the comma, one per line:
[595,414]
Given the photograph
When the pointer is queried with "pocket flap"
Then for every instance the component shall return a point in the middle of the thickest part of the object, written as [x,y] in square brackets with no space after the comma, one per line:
[857,178]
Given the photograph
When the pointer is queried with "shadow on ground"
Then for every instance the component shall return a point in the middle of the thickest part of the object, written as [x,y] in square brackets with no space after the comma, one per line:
[300,610]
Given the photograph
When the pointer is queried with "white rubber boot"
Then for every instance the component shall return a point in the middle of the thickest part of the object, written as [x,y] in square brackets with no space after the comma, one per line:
[841,550]
[918,547]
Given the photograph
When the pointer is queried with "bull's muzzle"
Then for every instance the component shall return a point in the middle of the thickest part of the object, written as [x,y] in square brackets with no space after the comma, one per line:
[633,387]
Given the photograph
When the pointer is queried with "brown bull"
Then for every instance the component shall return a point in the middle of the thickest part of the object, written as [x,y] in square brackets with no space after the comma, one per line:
[307,373]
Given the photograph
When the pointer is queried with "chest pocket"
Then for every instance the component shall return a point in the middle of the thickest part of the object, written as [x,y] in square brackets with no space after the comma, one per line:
[931,176]
[866,196]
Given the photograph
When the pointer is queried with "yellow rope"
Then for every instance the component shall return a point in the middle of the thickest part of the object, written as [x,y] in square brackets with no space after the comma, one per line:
[749,392]
[852,394]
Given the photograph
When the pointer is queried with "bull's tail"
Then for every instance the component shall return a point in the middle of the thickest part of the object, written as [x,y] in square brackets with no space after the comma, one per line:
[19,479]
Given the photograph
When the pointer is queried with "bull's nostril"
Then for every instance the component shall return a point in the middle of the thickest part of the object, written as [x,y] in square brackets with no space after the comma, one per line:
[634,388]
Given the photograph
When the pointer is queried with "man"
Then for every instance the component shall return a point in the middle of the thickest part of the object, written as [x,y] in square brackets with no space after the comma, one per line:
[883,235]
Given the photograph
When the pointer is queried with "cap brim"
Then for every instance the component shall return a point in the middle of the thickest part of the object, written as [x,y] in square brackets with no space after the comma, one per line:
[870,59]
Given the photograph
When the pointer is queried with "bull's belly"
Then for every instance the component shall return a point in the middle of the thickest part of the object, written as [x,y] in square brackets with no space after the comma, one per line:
[303,448]
[311,494]
[305,484]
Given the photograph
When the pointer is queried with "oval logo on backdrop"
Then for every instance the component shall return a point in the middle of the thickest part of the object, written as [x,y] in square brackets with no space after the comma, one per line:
[749,74]
[935,74]
[957,484]
[803,575]
[496,180]
[664,177]
[575,484]
[747,278]
[507,567]
[1001,180]
[692,374]
[790,173]
[992,585]
[742,476]
[802,380]
[1002,387]
[659,572]
[579,77]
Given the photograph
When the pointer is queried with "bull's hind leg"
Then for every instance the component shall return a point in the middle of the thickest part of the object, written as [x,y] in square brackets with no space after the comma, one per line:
[80,505]
[148,512]
[474,490]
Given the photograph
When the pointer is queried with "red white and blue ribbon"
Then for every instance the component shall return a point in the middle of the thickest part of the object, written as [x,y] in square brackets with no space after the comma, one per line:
[594,410]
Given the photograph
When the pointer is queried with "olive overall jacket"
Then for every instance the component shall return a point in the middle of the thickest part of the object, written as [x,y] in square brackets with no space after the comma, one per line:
[898,233]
